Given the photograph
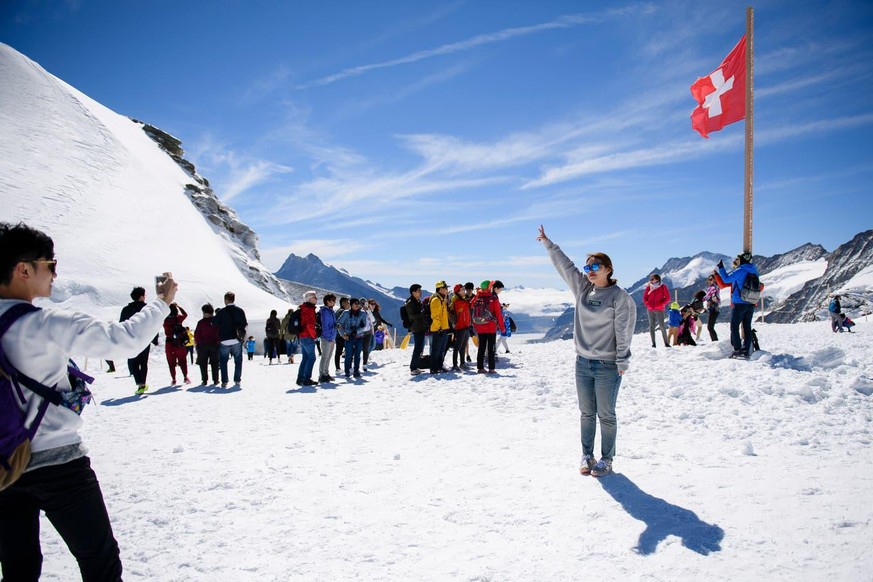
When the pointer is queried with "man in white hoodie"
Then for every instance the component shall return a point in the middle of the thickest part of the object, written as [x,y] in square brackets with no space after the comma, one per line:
[58,479]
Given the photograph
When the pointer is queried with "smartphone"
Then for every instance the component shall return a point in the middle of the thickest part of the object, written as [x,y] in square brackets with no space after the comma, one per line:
[159,284]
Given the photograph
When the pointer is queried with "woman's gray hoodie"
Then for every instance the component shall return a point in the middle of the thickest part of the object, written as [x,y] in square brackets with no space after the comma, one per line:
[605,316]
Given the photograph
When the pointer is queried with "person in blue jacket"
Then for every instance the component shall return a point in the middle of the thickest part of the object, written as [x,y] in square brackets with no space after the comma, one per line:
[742,311]
[328,337]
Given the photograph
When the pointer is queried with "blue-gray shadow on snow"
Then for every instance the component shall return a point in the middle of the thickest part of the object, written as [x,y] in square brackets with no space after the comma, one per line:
[302,390]
[213,389]
[662,519]
[120,401]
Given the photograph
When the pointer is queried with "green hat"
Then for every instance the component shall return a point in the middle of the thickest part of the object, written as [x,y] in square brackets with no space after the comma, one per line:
[486,284]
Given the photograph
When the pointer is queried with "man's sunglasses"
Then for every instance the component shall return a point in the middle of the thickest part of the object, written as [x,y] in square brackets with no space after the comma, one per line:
[592,267]
[52,264]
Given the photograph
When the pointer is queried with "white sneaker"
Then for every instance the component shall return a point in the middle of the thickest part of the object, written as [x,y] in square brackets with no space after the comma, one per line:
[586,464]
[602,468]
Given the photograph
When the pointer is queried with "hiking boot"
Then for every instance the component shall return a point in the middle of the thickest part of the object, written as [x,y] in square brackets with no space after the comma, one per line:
[310,382]
[480,371]
[357,375]
[224,384]
[469,359]
[586,464]
[456,369]
[602,468]
[415,372]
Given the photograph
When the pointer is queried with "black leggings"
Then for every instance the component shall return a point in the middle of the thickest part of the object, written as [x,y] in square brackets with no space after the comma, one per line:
[710,324]
[70,496]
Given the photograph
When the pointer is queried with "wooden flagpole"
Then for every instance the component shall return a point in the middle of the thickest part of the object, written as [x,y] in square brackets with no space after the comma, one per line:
[750,129]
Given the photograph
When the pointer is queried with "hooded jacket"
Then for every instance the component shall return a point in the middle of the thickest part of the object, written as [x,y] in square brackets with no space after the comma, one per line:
[439,313]
[736,278]
[656,299]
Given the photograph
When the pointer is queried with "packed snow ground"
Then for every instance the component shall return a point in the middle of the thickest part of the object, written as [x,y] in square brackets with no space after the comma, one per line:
[759,470]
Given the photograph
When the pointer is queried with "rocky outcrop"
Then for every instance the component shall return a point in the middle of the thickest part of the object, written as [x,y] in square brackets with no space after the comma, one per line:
[241,240]
[810,303]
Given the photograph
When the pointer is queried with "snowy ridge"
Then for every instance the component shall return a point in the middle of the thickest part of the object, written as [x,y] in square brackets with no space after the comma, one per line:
[70,166]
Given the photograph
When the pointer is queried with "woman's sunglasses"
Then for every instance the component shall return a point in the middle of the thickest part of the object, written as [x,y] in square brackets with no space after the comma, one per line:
[592,267]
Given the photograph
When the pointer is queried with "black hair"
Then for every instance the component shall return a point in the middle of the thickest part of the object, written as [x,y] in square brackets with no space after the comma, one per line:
[273,313]
[700,295]
[354,301]
[174,310]
[329,297]
[344,300]
[414,288]
[230,297]
[497,284]
[207,308]
[469,285]
[21,244]
[137,293]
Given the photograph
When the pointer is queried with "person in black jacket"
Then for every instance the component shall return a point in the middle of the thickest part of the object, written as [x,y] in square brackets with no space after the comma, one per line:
[231,322]
[417,326]
[138,366]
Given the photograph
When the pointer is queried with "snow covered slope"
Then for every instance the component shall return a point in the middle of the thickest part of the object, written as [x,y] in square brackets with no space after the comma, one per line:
[725,470]
[111,199]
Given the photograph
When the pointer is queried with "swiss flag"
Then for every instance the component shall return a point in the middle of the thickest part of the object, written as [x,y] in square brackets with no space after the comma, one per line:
[722,94]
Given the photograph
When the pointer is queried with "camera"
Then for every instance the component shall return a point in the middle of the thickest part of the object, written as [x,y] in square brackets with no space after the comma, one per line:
[159,284]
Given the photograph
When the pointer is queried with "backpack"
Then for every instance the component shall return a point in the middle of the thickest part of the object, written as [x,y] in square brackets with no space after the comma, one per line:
[404,317]
[295,324]
[15,437]
[318,324]
[481,312]
[271,328]
[832,307]
[180,336]
[512,326]
[750,292]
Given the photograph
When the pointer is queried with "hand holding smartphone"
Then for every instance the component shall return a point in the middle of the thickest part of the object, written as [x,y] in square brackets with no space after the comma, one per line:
[165,287]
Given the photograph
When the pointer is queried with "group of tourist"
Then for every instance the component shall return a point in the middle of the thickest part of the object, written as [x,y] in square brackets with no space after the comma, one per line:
[683,326]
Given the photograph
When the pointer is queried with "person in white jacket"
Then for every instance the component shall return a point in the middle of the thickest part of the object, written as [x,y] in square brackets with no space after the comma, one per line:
[58,479]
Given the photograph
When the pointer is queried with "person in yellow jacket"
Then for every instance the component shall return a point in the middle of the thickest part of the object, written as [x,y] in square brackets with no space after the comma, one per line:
[189,345]
[439,327]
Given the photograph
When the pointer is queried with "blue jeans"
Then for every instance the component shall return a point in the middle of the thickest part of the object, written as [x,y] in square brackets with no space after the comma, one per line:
[307,346]
[224,352]
[438,342]
[417,348]
[742,315]
[353,348]
[597,383]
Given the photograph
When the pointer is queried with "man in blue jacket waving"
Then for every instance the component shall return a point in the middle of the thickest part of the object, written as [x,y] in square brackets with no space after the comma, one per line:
[742,310]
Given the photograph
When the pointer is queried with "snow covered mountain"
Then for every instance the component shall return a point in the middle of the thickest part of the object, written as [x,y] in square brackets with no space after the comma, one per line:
[797,283]
[116,196]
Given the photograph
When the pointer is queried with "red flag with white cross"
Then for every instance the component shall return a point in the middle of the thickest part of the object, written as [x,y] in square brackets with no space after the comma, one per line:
[722,94]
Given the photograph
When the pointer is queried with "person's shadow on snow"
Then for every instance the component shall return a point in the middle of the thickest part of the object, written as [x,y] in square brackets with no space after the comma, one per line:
[662,519]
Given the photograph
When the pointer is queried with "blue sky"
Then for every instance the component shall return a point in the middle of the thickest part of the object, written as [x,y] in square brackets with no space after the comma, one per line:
[415,141]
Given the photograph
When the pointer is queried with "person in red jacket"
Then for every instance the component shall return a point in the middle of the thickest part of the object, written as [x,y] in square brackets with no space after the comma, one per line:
[459,310]
[206,342]
[307,339]
[487,316]
[177,337]
[656,297]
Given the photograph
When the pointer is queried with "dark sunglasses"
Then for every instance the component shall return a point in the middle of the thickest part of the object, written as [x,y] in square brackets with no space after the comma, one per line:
[52,264]
[592,267]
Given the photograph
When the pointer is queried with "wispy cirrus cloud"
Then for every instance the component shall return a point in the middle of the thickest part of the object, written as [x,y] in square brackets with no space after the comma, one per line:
[563,22]
[233,175]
